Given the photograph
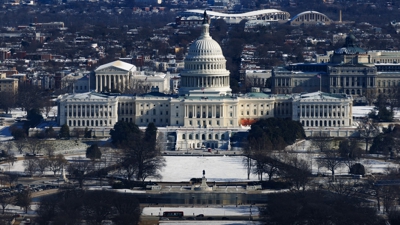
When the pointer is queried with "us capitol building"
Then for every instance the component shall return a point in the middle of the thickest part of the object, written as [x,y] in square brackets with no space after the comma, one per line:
[205,113]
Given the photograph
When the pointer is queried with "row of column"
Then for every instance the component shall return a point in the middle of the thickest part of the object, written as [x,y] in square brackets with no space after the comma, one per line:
[318,111]
[193,109]
[281,82]
[87,110]
[322,123]
[89,123]
[191,81]
[111,82]
[336,81]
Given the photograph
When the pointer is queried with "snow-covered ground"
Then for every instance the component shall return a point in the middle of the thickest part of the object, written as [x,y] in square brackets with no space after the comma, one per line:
[226,168]
[217,168]
[361,111]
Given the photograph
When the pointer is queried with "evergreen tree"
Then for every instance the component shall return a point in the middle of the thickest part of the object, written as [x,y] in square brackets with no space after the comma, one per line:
[150,135]
[281,132]
[123,132]
[64,131]
[34,116]
[93,152]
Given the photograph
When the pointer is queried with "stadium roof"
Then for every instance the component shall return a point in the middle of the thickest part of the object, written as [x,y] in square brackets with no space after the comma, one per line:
[246,14]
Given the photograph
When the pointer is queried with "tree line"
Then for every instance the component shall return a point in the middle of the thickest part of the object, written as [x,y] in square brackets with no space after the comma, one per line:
[141,156]
[95,207]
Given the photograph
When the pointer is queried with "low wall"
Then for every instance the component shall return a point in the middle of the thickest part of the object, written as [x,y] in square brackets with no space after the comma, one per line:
[331,132]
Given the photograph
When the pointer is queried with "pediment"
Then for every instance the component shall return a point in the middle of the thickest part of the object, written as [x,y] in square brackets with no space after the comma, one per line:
[111,69]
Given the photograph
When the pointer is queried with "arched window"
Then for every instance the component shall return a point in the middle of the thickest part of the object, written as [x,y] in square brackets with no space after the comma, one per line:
[183,136]
[216,136]
[203,137]
[190,136]
[197,136]
[210,136]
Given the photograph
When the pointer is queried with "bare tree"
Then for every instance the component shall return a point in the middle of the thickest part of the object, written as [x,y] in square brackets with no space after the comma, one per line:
[8,146]
[56,163]
[5,201]
[7,101]
[12,178]
[48,105]
[331,160]
[341,186]
[20,145]
[298,172]
[321,141]
[261,159]
[29,97]
[350,152]
[48,148]
[370,96]
[161,142]
[30,166]
[35,146]
[11,159]
[367,130]
[247,160]
[24,199]
[79,168]
[41,165]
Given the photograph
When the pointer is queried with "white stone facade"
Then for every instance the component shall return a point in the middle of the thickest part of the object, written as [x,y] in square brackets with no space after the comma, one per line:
[114,76]
[87,110]
[323,110]
[205,113]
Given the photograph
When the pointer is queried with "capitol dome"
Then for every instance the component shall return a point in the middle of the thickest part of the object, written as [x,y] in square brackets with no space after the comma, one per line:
[204,47]
[205,67]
